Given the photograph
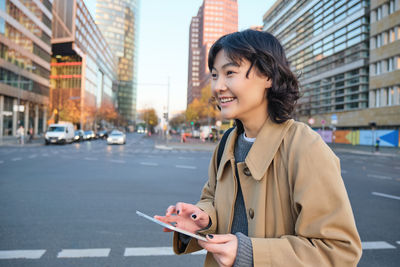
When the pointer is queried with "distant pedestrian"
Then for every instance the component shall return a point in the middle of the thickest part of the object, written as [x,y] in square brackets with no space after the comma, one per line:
[30,135]
[378,140]
[21,134]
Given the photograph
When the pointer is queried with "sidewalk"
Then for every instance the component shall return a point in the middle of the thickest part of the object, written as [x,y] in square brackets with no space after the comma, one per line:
[12,141]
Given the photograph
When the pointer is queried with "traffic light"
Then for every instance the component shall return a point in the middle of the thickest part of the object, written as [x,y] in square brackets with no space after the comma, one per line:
[191,123]
[165,115]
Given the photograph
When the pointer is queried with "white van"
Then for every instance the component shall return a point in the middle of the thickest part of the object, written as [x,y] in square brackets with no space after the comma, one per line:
[60,133]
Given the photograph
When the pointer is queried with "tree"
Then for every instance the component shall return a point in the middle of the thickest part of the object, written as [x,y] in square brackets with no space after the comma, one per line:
[177,120]
[203,108]
[70,111]
[150,117]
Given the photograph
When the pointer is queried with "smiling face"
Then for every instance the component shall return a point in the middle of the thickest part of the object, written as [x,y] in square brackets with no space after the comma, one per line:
[239,97]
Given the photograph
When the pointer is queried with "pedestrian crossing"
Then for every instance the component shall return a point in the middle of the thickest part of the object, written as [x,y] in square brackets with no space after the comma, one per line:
[140,251]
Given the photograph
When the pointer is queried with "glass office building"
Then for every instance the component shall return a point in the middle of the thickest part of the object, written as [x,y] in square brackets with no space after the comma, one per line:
[327,44]
[25,49]
[118,21]
[83,67]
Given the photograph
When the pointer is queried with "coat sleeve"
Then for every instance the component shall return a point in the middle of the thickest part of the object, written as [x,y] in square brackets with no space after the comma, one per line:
[206,204]
[325,230]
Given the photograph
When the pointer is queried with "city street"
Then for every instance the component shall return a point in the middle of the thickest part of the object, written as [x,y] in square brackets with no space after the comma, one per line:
[74,205]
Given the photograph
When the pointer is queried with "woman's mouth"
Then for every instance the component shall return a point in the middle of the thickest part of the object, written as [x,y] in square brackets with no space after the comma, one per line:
[224,100]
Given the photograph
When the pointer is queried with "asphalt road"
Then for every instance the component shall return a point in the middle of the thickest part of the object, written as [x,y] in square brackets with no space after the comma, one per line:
[74,205]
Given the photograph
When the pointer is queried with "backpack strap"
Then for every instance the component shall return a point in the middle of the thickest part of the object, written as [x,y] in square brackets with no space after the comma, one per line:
[221,146]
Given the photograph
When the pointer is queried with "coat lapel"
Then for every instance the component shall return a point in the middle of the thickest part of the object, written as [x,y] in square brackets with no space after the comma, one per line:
[265,147]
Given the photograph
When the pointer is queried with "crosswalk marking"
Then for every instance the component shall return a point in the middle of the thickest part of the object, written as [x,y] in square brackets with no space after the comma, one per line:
[376,245]
[154,251]
[21,254]
[16,159]
[385,195]
[32,156]
[84,253]
[117,161]
[88,158]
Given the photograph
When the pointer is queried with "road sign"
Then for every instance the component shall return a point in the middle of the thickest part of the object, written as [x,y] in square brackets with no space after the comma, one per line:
[323,122]
[311,121]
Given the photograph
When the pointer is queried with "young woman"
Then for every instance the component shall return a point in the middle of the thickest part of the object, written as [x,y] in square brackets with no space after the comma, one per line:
[277,197]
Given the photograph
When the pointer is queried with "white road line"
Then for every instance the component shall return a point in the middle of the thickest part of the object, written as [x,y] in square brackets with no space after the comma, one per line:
[87,158]
[186,167]
[344,171]
[379,176]
[16,159]
[21,254]
[385,195]
[84,253]
[376,245]
[154,251]
[1,162]
[189,158]
[398,242]
[117,161]
[149,163]
[32,156]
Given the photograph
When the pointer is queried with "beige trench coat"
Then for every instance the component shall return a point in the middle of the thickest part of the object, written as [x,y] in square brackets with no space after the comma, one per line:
[297,206]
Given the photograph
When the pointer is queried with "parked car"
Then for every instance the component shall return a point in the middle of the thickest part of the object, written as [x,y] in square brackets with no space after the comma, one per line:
[89,135]
[116,137]
[79,134]
[60,133]
[102,134]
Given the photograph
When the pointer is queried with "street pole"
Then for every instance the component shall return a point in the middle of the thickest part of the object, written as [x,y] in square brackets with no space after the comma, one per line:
[167,112]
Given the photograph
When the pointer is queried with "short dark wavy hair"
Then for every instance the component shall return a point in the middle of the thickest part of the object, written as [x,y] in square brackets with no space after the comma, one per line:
[264,52]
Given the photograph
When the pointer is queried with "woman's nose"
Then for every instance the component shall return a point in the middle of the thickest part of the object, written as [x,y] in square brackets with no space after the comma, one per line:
[219,85]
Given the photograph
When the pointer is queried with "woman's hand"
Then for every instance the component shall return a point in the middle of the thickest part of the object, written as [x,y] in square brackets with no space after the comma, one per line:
[223,248]
[185,216]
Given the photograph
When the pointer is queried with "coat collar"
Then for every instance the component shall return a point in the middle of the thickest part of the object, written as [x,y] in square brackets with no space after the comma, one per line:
[263,150]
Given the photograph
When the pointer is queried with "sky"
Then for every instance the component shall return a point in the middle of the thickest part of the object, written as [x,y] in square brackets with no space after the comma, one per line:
[164,47]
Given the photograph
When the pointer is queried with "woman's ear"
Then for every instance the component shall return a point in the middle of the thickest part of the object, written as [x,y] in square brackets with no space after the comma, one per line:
[268,83]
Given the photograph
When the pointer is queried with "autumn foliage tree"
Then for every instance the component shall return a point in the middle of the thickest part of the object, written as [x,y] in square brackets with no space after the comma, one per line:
[70,111]
[203,108]
[149,116]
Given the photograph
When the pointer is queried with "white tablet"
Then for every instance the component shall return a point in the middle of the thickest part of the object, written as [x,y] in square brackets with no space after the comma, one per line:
[173,228]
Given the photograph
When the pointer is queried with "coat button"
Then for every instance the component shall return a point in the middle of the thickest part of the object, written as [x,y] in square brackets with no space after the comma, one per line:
[246,171]
[251,213]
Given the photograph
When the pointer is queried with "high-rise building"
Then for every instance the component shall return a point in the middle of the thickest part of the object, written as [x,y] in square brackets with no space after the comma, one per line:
[83,68]
[214,19]
[118,21]
[327,44]
[384,72]
[25,49]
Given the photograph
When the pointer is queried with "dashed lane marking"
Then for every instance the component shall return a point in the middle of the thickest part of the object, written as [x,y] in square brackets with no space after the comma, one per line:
[88,158]
[16,159]
[154,251]
[32,156]
[1,162]
[385,195]
[376,245]
[84,253]
[21,254]
[148,163]
[383,177]
[186,167]
[118,161]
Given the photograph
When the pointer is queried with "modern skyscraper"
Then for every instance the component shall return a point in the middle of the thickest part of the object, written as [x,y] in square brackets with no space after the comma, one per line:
[327,42]
[214,19]
[118,21]
[25,49]
[83,68]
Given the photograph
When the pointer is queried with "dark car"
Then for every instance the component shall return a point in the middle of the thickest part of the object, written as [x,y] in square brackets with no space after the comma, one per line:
[102,134]
[79,136]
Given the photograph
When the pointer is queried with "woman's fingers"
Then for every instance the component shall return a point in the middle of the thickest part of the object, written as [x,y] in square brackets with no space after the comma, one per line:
[171,209]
